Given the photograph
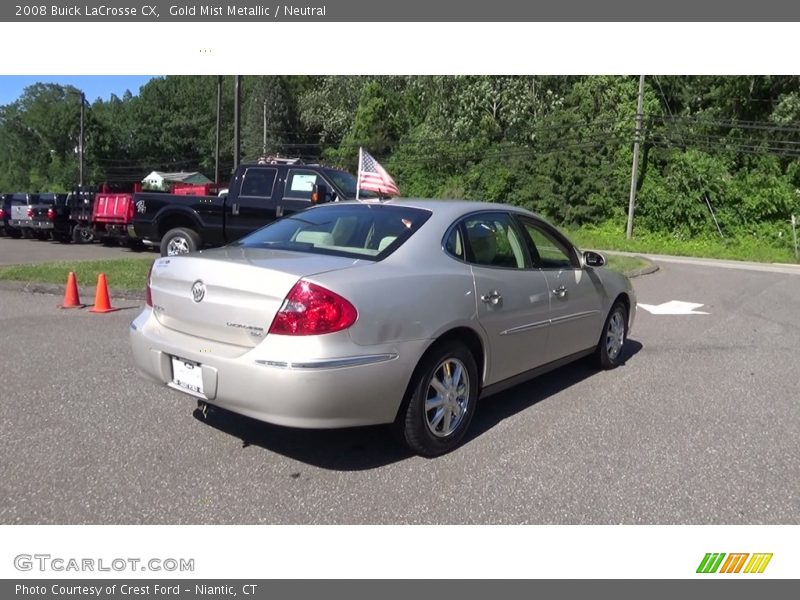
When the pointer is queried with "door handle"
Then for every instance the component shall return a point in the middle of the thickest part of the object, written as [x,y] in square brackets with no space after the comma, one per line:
[493,298]
[235,208]
[560,291]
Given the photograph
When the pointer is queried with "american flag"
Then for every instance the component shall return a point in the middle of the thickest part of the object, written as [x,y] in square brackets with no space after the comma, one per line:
[373,177]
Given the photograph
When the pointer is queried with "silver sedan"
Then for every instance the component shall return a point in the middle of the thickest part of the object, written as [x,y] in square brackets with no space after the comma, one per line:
[404,312]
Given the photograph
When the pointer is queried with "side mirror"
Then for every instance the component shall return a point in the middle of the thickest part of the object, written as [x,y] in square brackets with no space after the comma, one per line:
[593,259]
[319,193]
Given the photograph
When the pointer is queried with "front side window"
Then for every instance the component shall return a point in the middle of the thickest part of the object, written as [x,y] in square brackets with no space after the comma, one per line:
[493,241]
[300,184]
[347,184]
[549,252]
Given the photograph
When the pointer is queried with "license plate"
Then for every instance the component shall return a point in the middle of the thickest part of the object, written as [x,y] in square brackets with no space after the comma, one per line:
[187,375]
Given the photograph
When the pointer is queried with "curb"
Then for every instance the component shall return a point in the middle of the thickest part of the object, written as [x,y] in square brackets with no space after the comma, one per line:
[33,287]
[650,267]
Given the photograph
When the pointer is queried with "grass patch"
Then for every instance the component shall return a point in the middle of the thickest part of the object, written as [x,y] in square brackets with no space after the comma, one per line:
[123,273]
[131,273]
[625,264]
[612,237]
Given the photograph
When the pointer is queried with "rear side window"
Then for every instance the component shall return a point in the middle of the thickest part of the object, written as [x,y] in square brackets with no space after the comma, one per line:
[370,231]
[258,182]
[454,245]
[493,241]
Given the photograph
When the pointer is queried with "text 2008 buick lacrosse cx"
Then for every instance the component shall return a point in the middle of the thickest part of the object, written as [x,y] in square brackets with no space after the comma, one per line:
[403,312]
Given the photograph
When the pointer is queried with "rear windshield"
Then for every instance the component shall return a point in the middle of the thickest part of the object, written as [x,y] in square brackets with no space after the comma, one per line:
[370,231]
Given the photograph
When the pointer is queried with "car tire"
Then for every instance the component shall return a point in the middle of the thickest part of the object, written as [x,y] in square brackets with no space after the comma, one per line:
[14,233]
[426,423]
[82,235]
[179,241]
[608,354]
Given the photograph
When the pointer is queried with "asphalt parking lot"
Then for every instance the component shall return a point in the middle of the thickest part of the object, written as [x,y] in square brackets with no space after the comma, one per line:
[701,425]
[14,252]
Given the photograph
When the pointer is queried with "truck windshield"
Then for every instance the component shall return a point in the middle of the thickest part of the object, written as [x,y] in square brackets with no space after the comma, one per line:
[369,231]
[347,184]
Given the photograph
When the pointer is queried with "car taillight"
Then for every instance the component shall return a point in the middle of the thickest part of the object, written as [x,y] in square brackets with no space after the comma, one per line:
[30,213]
[310,309]
[51,214]
[148,295]
[2,214]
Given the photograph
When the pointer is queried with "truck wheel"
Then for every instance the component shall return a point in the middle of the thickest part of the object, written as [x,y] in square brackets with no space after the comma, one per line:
[14,233]
[136,245]
[82,235]
[179,241]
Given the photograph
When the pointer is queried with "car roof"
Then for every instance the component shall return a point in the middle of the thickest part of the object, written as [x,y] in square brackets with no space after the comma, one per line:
[448,208]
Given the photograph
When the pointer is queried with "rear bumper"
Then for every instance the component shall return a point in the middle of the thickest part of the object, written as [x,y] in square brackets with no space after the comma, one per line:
[363,386]
[115,230]
[43,225]
[21,223]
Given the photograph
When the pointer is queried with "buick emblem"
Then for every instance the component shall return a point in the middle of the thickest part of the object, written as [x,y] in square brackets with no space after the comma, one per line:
[198,291]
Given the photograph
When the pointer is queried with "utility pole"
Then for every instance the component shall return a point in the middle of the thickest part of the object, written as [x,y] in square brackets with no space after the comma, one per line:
[237,100]
[81,143]
[635,167]
[216,147]
[264,143]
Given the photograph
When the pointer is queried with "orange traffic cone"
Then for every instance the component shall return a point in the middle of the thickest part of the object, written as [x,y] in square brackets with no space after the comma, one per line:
[71,298]
[102,304]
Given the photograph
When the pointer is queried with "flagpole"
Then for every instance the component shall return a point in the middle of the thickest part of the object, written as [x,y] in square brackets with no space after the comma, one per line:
[358,173]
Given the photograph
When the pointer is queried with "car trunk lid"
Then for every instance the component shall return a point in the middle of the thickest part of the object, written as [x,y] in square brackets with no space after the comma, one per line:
[231,295]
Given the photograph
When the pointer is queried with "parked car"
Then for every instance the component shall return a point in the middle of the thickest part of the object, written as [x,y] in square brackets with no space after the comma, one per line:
[5,213]
[19,223]
[403,312]
[43,214]
[258,194]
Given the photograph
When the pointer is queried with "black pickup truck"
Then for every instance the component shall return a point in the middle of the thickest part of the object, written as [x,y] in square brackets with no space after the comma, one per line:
[259,193]
[68,218]
[42,215]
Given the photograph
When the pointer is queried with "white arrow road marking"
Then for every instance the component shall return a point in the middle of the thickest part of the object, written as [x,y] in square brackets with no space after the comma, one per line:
[673,307]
